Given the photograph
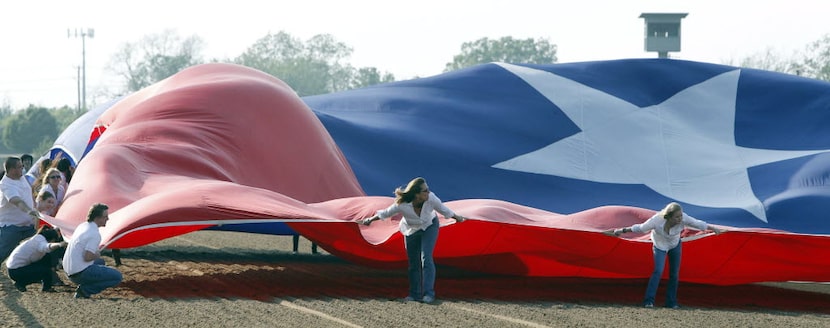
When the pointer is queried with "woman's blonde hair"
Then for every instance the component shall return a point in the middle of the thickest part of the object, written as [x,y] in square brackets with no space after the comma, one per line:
[670,209]
[44,179]
[412,188]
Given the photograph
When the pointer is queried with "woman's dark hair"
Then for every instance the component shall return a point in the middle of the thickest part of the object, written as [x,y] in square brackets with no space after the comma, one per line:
[65,166]
[49,233]
[45,164]
[45,195]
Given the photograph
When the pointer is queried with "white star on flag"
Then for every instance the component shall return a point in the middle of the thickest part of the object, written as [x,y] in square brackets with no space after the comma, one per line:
[683,148]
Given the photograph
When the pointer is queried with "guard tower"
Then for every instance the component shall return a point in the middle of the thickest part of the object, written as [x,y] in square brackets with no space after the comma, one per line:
[662,32]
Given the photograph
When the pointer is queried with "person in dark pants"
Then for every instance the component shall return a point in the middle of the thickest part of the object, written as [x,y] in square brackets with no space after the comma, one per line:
[296,248]
[31,261]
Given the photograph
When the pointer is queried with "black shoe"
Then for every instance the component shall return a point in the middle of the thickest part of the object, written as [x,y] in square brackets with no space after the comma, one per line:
[20,287]
[79,293]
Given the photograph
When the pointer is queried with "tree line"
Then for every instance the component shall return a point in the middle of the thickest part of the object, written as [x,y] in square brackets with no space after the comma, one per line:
[315,66]
[318,65]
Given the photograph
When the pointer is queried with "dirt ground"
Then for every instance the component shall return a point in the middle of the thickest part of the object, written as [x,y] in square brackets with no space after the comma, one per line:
[227,279]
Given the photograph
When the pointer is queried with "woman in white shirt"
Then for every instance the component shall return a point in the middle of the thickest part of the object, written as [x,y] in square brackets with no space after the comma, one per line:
[52,183]
[419,226]
[665,227]
[29,261]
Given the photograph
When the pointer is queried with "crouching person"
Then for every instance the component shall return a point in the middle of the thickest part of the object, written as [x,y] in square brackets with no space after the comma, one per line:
[31,261]
[83,262]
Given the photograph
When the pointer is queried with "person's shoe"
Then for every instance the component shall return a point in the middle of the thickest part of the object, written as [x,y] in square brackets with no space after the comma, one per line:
[673,306]
[48,290]
[79,293]
[428,299]
[408,299]
[20,287]
[294,253]
[648,305]
[58,283]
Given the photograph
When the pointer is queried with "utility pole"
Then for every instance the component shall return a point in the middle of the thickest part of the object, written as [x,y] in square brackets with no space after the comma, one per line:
[83,34]
[79,87]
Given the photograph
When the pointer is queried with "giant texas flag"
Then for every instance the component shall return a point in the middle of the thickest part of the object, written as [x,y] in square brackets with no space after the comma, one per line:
[736,147]
[541,157]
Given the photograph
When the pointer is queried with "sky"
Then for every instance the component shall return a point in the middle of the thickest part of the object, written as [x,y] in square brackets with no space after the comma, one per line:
[39,62]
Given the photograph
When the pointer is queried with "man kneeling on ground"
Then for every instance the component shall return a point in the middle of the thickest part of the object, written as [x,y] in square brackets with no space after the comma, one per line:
[83,262]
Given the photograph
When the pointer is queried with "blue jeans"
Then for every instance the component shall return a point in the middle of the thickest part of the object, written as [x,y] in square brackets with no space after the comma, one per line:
[12,235]
[657,274]
[96,277]
[419,247]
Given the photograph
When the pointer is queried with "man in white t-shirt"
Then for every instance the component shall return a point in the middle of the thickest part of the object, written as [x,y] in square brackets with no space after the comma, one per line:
[17,208]
[82,261]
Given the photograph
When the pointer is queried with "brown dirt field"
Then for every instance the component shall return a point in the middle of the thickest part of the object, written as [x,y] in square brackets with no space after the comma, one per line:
[227,279]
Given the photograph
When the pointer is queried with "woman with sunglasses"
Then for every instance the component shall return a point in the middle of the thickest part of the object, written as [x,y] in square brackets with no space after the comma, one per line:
[419,226]
[52,183]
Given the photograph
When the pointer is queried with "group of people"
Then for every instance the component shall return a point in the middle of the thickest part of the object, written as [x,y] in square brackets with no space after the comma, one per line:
[32,249]
[30,261]
[419,224]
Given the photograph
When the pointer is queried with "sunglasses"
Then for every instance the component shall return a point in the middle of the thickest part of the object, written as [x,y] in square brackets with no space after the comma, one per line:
[55,177]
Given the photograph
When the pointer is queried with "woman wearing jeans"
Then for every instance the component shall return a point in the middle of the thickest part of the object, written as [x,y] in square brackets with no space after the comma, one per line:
[665,227]
[419,226]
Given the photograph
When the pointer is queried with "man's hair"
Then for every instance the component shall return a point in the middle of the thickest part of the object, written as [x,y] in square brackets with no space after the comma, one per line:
[95,211]
[11,162]
[25,157]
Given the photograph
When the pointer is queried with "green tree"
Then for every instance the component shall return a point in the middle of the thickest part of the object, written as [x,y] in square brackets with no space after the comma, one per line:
[815,61]
[5,112]
[367,76]
[507,49]
[314,67]
[154,58]
[29,129]
[769,60]
[64,116]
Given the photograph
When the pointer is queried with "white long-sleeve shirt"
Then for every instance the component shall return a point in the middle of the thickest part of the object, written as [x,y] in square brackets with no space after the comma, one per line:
[666,241]
[412,222]
[29,251]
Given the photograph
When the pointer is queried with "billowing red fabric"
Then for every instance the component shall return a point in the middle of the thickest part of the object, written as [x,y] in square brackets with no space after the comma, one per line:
[223,144]
[214,142]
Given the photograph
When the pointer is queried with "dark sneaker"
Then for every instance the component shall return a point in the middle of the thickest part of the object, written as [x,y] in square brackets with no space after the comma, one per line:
[428,299]
[673,306]
[20,287]
[48,290]
[79,293]
[648,305]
